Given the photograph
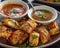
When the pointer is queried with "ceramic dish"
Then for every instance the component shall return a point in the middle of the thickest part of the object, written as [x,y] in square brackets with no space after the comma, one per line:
[44,7]
[16,2]
[3,42]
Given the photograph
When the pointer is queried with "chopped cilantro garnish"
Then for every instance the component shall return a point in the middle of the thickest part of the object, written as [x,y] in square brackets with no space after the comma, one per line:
[14,11]
[13,20]
[23,46]
[42,17]
[45,31]
[34,36]
[24,25]
[41,44]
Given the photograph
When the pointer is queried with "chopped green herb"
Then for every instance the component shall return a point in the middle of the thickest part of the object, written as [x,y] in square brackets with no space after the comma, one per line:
[23,46]
[34,36]
[41,44]
[42,17]
[13,20]
[14,11]
[24,25]
[45,31]
[40,13]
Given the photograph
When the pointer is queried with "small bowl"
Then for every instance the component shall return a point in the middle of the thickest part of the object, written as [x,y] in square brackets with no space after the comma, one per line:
[14,2]
[52,10]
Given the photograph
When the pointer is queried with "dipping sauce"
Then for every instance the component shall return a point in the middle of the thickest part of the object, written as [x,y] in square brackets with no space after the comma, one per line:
[42,15]
[13,9]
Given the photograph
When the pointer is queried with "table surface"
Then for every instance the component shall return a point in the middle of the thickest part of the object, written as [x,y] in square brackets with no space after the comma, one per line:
[56,45]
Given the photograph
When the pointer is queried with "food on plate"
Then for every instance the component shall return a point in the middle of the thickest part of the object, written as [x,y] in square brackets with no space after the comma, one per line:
[34,39]
[3,28]
[11,23]
[23,38]
[54,31]
[5,32]
[44,34]
[13,10]
[53,0]
[29,26]
[42,15]
[53,28]
[32,23]
[27,32]
[15,37]
[26,27]
[53,25]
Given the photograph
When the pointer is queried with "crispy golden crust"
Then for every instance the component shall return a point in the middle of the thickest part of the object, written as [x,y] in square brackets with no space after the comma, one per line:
[44,34]
[28,26]
[22,38]
[18,32]
[32,23]
[4,32]
[53,25]
[54,29]
[34,39]
[15,37]
[11,23]
[25,27]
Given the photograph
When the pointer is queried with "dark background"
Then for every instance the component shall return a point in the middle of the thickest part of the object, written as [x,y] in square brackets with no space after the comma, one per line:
[57,44]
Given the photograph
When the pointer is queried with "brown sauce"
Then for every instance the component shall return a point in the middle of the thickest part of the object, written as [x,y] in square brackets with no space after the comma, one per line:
[14,9]
[42,15]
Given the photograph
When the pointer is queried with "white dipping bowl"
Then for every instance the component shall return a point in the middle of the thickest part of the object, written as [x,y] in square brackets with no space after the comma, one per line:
[14,2]
[44,7]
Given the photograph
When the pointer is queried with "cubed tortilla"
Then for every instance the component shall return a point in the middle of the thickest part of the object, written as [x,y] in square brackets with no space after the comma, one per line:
[23,38]
[26,27]
[53,31]
[44,34]
[54,28]
[15,37]
[4,33]
[32,23]
[34,39]
[11,23]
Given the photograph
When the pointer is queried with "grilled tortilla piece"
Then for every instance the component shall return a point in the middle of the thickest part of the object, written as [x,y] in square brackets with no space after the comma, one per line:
[11,23]
[4,32]
[44,34]
[34,39]
[15,37]
[32,23]
[23,38]
[53,28]
[26,27]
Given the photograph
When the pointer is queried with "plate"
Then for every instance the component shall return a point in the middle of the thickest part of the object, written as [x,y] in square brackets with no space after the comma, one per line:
[54,38]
